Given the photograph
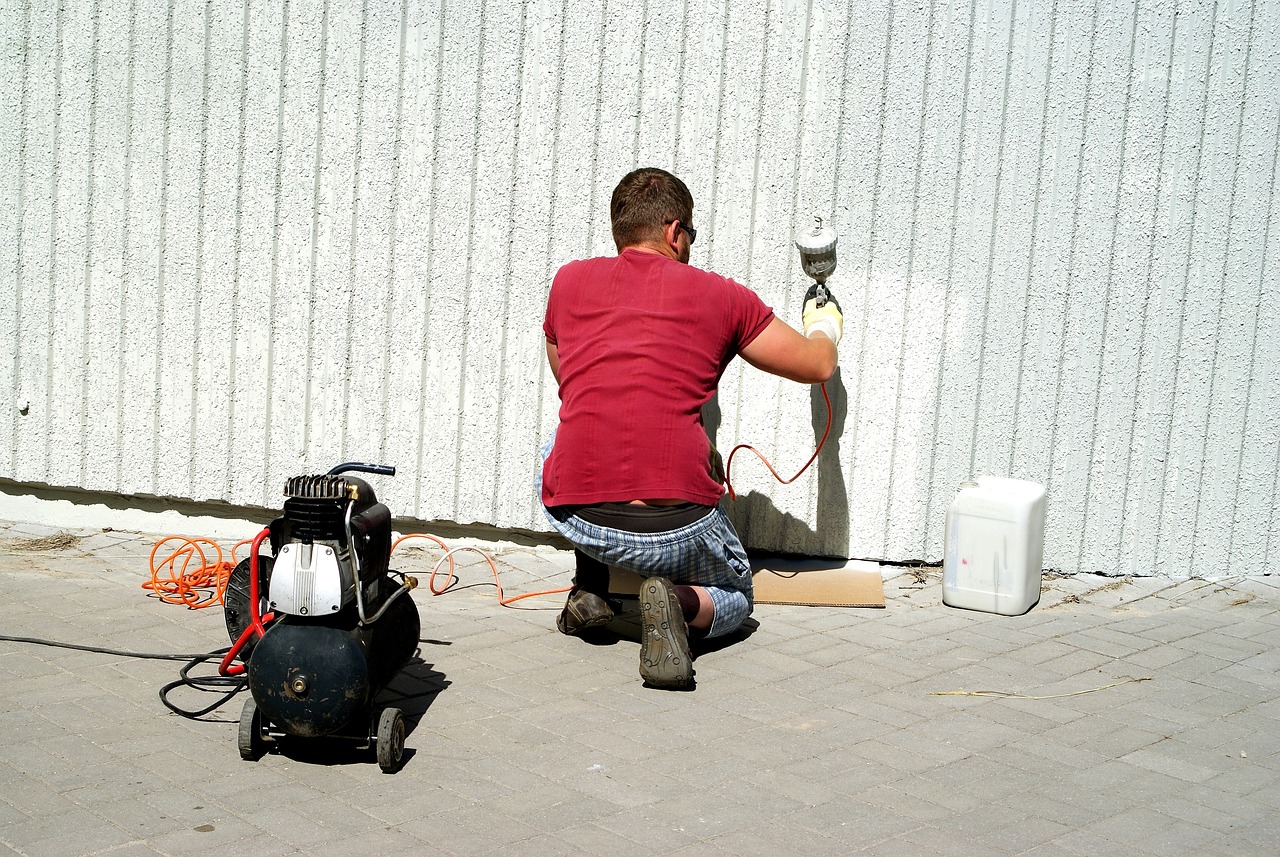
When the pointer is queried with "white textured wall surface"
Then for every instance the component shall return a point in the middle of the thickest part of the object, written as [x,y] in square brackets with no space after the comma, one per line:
[245,240]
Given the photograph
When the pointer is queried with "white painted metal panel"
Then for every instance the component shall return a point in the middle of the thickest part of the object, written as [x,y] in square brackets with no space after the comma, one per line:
[254,239]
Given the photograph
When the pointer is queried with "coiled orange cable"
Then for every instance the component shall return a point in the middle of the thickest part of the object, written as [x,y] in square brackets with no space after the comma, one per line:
[175,581]
[206,584]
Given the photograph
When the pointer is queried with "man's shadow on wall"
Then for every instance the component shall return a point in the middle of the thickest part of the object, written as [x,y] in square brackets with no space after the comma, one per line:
[760,522]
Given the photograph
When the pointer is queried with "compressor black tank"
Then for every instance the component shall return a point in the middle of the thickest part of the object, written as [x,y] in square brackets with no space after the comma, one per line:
[317,676]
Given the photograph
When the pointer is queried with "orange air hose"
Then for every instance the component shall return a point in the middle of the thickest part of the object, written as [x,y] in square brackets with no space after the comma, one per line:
[729,461]
[256,620]
[206,584]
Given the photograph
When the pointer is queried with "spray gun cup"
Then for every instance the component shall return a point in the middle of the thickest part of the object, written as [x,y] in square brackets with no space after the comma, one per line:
[817,248]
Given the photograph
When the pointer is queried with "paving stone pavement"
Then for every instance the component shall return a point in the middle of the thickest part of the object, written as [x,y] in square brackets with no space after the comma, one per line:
[1140,719]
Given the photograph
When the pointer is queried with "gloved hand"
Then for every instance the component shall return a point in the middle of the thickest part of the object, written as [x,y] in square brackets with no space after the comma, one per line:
[826,318]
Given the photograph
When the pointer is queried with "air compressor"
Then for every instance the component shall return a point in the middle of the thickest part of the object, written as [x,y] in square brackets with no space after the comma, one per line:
[322,624]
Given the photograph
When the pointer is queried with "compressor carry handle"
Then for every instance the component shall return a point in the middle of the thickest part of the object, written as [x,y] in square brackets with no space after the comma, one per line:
[363,467]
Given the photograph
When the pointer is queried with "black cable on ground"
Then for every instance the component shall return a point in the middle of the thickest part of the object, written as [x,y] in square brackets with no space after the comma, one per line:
[204,684]
[164,656]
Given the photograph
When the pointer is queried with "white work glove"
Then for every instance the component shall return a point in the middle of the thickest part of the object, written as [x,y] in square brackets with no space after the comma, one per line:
[822,314]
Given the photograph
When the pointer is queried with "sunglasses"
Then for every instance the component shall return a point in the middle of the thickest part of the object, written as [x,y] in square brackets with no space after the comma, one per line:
[693,233]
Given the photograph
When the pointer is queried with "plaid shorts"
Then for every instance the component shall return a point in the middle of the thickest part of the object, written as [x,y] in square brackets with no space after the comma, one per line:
[706,553]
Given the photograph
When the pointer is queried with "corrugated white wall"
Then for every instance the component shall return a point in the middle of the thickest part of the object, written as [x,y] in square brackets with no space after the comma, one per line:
[243,240]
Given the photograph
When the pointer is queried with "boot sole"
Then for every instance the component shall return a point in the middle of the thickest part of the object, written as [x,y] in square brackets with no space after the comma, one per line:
[665,660]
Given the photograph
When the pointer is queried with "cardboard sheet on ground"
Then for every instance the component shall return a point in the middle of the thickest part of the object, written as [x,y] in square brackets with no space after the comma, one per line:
[818,583]
[803,582]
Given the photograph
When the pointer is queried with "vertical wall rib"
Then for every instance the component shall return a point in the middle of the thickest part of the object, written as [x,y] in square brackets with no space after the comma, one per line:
[15,68]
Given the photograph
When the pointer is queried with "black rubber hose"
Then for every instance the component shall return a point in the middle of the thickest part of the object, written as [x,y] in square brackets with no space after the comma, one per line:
[363,467]
[204,684]
[165,656]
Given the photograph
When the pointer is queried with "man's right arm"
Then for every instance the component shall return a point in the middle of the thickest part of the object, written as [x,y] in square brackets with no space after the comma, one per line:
[782,350]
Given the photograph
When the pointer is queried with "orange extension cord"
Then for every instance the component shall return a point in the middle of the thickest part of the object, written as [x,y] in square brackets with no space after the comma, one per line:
[187,576]
[452,578]
[206,584]
[174,581]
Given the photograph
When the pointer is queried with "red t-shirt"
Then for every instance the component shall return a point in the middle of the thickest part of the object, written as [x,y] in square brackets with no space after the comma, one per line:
[643,341]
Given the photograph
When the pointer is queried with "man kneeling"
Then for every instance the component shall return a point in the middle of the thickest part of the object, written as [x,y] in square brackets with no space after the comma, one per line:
[637,343]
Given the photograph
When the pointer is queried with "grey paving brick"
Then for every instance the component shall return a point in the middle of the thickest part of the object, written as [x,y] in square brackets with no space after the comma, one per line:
[1016,832]
[65,835]
[1167,760]
[444,835]
[1263,832]
[893,758]
[1049,849]
[949,839]
[894,800]
[1087,842]
[554,809]
[984,776]
[843,772]
[853,823]
[655,833]
[1253,785]
[1063,803]
[969,731]
[765,840]
[595,839]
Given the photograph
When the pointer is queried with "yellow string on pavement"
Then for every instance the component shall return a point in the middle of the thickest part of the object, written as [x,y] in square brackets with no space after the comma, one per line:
[1001,694]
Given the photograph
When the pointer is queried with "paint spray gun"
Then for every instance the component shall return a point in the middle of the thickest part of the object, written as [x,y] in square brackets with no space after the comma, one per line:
[817,247]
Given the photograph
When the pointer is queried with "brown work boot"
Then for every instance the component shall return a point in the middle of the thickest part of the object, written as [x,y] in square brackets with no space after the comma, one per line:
[582,611]
[665,660]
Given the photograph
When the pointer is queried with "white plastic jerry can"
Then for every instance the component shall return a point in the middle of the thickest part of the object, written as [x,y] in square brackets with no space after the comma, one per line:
[994,546]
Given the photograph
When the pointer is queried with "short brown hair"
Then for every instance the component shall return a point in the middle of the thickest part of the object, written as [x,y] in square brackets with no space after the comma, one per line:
[646,200]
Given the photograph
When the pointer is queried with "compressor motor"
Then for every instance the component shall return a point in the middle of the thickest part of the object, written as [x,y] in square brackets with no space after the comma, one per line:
[322,623]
